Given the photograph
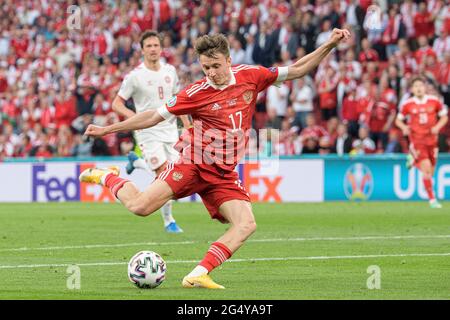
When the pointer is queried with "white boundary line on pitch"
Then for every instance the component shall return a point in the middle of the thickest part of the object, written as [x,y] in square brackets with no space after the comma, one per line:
[135,244]
[96,246]
[368,256]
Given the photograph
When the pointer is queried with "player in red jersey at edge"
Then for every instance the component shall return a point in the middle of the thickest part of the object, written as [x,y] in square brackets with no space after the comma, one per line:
[221,106]
[425,116]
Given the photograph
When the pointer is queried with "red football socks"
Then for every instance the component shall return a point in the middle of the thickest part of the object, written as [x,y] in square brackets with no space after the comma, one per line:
[217,254]
[429,188]
[114,183]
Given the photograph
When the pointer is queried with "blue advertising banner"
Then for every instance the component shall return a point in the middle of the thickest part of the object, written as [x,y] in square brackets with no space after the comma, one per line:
[381,178]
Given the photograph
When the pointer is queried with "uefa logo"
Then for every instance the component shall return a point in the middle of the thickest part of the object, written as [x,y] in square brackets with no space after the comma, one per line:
[358,182]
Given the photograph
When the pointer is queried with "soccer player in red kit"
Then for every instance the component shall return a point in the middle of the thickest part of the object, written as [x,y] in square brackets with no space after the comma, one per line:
[221,106]
[426,117]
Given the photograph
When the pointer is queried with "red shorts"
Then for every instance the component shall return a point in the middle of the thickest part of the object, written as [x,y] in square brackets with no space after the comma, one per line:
[422,151]
[214,186]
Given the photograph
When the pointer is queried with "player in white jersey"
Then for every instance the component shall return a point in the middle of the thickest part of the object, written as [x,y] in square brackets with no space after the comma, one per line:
[150,85]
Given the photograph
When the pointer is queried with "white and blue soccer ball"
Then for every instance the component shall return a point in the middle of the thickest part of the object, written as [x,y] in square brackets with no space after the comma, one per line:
[147,269]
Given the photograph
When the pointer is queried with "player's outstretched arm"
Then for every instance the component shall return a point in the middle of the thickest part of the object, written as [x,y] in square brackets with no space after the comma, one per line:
[119,107]
[312,60]
[141,120]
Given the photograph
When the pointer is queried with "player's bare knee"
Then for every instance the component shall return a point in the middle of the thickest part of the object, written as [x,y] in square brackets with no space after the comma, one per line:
[141,210]
[247,228]
[252,227]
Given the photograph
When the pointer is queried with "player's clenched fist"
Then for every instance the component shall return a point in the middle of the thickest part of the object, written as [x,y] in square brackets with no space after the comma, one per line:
[338,35]
[95,131]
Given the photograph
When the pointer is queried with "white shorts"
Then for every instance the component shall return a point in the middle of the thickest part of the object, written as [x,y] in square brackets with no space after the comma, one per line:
[156,153]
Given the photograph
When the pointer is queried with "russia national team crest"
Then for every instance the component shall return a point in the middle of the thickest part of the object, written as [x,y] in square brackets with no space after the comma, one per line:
[358,182]
[172,101]
[177,176]
[247,96]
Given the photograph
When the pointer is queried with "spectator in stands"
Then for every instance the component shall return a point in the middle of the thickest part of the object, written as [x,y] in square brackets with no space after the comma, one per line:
[309,145]
[397,83]
[82,146]
[248,53]
[65,107]
[351,112]
[423,51]
[43,149]
[423,22]
[408,10]
[307,32]
[6,147]
[289,145]
[24,148]
[326,89]
[394,30]
[441,45]
[287,40]
[65,141]
[236,52]
[393,145]
[264,48]
[277,99]
[343,142]
[302,98]
[405,59]
[85,99]
[444,78]
[50,76]
[324,34]
[367,54]
[294,123]
[380,115]
[363,145]
[332,125]
[311,135]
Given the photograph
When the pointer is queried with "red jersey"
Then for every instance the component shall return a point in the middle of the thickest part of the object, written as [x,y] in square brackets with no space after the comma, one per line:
[368,56]
[421,53]
[423,115]
[314,132]
[221,116]
[65,110]
[350,108]
[423,24]
[378,115]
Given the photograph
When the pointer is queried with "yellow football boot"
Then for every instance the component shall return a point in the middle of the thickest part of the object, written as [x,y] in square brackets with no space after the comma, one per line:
[94,175]
[203,281]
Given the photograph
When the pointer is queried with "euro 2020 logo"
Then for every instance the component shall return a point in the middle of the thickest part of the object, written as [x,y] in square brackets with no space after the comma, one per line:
[358,182]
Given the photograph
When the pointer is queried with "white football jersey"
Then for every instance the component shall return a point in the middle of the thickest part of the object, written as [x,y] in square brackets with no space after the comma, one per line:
[151,90]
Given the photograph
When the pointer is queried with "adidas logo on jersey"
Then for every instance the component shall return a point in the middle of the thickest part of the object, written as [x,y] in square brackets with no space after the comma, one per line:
[215,107]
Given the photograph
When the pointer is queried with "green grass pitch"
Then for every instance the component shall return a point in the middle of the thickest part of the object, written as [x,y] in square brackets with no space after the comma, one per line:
[300,251]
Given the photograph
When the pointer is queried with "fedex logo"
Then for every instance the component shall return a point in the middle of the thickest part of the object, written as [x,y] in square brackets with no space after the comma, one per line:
[59,182]
[267,187]
[54,187]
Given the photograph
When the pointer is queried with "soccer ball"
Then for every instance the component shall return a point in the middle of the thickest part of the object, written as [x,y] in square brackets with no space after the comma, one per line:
[147,269]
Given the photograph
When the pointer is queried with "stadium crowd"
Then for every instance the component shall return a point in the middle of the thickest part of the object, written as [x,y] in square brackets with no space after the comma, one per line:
[58,74]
